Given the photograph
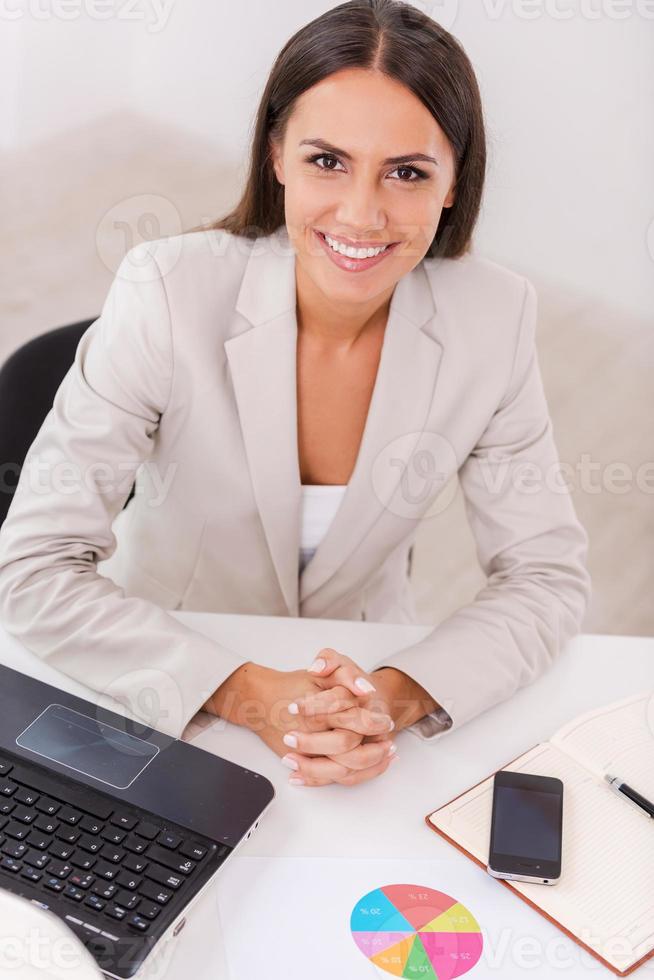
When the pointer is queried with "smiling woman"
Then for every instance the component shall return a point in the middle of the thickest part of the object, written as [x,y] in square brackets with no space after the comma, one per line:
[315,369]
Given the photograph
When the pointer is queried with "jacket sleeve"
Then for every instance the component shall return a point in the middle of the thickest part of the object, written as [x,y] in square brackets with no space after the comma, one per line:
[75,480]
[532,550]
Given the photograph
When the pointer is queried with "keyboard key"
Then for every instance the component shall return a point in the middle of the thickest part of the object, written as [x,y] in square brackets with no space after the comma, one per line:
[81,880]
[48,806]
[113,835]
[69,815]
[5,767]
[106,871]
[163,876]
[124,820]
[147,830]
[60,869]
[127,900]
[14,849]
[90,844]
[127,880]
[60,849]
[167,839]
[24,814]
[17,830]
[155,892]
[39,840]
[37,859]
[134,863]
[135,844]
[90,824]
[46,824]
[6,806]
[149,910]
[105,889]
[170,860]
[7,788]
[116,912]
[138,923]
[9,864]
[31,873]
[55,884]
[95,902]
[191,849]
[75,893]
[112,853]
[84,861]
[26,796]
[68,834]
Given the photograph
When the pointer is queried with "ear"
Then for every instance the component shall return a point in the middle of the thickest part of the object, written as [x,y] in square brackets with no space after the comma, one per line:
[449,200]
[276,162]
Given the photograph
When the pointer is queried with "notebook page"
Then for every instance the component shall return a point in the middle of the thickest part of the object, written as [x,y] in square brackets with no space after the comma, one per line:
[617,738]
[605,895]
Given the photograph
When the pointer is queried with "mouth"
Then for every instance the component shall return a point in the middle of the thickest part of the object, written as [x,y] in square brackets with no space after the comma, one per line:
[350,263]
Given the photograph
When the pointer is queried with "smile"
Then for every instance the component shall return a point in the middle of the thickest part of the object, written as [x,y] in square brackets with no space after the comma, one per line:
[352,259]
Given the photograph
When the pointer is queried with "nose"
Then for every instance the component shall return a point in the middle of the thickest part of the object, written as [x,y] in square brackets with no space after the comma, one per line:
[359,213]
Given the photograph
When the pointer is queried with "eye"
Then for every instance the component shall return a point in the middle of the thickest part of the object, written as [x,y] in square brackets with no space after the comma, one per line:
[419,174]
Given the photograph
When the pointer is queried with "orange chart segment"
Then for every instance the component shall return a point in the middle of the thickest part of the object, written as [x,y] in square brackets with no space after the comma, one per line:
[445,941]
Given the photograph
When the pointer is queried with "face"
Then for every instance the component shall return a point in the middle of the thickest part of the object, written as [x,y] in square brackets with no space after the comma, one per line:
[345,187]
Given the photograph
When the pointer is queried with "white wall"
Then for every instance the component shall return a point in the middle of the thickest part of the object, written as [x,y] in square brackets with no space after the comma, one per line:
[568,88]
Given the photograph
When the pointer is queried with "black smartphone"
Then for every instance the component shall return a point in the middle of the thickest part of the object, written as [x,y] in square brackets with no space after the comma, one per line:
[526,833]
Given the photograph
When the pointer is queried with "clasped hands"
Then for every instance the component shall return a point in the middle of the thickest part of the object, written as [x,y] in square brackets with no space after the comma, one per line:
[331,723]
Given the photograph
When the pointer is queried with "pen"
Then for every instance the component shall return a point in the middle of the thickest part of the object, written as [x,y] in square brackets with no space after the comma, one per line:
[618,786]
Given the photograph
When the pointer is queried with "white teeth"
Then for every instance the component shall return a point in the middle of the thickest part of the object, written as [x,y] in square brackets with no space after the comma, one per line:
[351,252]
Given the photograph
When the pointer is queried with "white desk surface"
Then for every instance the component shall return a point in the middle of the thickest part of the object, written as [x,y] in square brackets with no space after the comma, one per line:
[383,817]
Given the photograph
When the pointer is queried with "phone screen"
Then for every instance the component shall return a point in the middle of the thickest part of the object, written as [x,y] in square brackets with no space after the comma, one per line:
[526,826]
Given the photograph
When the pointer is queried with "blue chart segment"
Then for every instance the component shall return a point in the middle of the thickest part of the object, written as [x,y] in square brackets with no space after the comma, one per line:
[418,932]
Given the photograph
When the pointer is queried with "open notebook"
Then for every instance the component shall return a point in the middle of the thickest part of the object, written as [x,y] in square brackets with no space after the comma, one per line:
[605,897]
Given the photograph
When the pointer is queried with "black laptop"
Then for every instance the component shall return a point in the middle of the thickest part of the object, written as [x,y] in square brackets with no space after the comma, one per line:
[115,827]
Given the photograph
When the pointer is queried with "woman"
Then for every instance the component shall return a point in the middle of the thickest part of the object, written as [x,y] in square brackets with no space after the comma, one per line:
[306,376]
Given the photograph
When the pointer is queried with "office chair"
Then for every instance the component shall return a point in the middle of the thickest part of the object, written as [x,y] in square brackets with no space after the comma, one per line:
[29,380]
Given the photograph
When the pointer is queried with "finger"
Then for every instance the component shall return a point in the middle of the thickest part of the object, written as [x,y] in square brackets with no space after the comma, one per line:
[331,663]
[323,702]
[353,777]
[362,720]
[331,742]
[313,771]
[365,754]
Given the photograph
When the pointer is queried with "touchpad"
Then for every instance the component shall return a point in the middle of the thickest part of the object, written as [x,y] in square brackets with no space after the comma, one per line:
[86,745]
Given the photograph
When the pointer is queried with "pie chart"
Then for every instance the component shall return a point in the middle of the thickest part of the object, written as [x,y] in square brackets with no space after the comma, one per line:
[414,931]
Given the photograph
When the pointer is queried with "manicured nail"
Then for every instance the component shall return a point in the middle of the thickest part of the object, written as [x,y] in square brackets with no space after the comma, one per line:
[391,726]
[290,739]
[392,748]
[293,708]
[318,665]
[290,762]
[296,781]
[364,685]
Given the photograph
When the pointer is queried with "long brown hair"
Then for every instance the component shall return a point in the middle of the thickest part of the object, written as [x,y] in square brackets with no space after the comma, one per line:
[405,44]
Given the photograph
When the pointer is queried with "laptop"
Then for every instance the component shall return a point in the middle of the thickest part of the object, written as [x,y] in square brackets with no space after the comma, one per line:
[113,826]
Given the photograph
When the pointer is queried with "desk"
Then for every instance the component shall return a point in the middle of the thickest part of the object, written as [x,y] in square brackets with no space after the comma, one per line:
[334,821]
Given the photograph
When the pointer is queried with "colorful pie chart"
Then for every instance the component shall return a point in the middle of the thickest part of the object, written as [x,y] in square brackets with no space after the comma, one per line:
[414,931]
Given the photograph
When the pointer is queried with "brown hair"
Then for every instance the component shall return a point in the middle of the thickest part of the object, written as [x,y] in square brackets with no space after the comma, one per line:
[405,44]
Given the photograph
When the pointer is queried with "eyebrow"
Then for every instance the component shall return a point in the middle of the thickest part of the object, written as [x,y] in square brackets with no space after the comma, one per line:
[405,158]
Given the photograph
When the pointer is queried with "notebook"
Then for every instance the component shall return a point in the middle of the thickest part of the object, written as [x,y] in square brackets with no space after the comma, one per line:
[604,899]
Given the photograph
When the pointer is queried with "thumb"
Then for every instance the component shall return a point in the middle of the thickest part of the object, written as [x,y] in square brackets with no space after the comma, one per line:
[327,661]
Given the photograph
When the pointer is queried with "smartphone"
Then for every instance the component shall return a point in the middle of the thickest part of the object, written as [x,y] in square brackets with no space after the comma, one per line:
[526,834]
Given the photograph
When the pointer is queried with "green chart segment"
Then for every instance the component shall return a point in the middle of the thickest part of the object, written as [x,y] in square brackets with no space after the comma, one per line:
[418,932]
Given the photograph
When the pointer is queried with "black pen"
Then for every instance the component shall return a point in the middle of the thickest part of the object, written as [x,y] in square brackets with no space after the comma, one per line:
[627,791]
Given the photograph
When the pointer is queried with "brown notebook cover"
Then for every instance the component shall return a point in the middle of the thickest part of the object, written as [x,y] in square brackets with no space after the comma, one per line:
[507,884]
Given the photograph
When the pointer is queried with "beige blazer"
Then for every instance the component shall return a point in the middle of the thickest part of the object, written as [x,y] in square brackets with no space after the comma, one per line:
[186,382]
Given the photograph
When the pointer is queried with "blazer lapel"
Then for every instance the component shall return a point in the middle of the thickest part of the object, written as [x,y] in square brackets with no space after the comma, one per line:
[263,365]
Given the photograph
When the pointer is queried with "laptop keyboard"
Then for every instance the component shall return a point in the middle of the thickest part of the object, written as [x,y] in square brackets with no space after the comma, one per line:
[100,856]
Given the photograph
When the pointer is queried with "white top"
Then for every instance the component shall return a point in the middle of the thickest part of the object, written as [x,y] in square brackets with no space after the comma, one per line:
[319,505]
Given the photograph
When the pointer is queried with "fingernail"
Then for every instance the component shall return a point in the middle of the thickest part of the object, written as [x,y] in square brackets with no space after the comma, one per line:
[290,739]
[318,665]
[391,726]
[293,708]
[392,748]
[290,762]
[364,685]
[296,781]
